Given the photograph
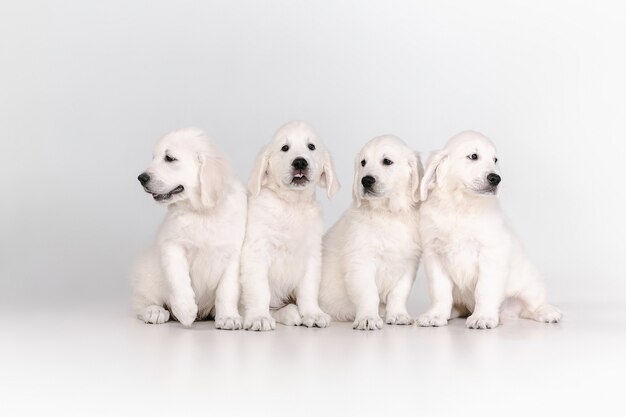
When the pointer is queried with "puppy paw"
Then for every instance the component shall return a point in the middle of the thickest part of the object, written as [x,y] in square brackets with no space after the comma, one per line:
[228,322]
[155,315]
[482,321]
[368,323]
[259,323]
[319,319]
[185,312]
[547,314]
[432,320]
[399,319]
[288,315]
[290,319]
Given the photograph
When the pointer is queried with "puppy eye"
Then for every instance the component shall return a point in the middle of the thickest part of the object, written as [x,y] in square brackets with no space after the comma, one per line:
[285,148]
[495,160]
[311,146]
[387,161]
[170,159]
[473,157]
[363,163]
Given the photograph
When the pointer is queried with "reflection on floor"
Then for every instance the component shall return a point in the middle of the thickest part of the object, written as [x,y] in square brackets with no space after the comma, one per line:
[102,361]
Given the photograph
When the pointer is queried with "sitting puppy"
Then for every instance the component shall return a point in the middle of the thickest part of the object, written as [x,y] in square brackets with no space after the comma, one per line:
[371,255]
[473,260]
[281,258]
[193,270]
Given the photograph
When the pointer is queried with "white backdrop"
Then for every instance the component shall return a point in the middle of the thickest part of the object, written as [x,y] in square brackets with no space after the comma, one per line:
[87,87]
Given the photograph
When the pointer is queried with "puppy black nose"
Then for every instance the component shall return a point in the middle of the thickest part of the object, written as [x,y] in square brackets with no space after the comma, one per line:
[143,178]
[299,163]
[368,181]
[494,179]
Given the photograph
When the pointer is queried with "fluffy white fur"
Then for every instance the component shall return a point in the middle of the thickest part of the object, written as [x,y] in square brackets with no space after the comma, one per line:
[472,258]
[371,256]
[281,258]
[193,269]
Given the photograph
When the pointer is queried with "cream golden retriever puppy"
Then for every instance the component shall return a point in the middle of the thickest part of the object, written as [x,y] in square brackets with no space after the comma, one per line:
[473,260]
[193,269]
[281,258]
[371,255]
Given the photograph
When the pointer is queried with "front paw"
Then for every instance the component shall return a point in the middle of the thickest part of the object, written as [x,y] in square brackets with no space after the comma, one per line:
[318,319]
[547,314]
[399,319]
[432,320]
[482,321]
[185,312]
[368,323]
[155,315]
[259,323]
[228,322]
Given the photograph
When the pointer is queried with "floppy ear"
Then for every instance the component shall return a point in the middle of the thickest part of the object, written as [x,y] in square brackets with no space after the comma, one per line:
[356,195]
[214,174]
[432,171]
[328,178]
[259,172]
[417,172]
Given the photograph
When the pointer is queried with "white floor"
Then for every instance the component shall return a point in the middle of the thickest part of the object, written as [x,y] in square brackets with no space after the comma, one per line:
[91,361]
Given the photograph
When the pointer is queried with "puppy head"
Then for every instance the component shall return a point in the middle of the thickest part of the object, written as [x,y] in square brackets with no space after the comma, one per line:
[295,160]
[467,163]
[387,171]
[186,166]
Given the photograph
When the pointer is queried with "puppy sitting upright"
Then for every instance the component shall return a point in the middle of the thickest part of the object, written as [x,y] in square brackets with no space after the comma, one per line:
[281,258]
[371,255]
[473,260]
[193,270]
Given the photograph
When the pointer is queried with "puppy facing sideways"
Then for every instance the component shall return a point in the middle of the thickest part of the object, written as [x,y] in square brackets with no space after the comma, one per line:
[371,255]
[193,269]
[473,260]
[281,257]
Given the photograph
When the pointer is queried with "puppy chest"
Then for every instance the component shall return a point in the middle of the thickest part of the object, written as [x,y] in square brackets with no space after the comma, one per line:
[390,240]
[209,260]
[205,231]
[289,256]
[460,259]
[295,235]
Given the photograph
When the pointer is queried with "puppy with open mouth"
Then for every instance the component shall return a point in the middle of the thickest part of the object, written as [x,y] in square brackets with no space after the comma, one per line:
[193,269]
[281,257]
[371,255]
[473,260]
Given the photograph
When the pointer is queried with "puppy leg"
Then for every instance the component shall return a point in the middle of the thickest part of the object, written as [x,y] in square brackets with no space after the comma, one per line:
[535,307]
[307,294]
[176,273]
[288,315]
[395,311]
[544,314]
[149,290]
[440,288]
[489,291]
[256,294]
[227,297]
[363,292]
